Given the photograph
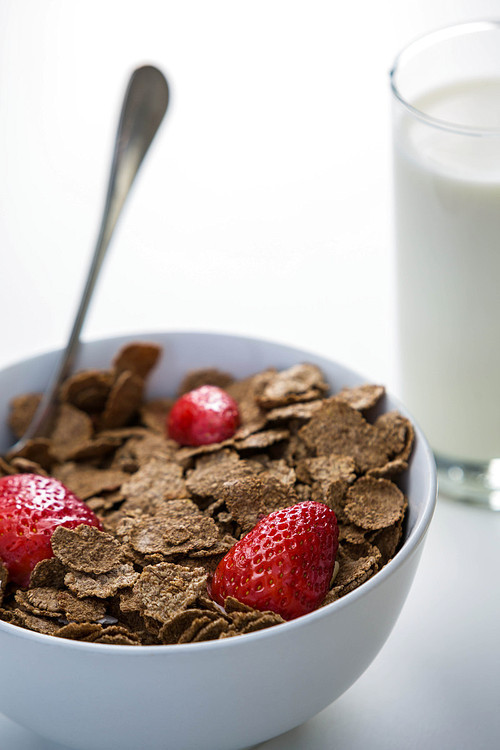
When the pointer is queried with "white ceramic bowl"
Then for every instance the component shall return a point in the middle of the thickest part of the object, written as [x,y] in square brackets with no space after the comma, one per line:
[217,695]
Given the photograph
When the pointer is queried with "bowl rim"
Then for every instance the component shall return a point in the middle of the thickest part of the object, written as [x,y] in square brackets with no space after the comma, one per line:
[409,547]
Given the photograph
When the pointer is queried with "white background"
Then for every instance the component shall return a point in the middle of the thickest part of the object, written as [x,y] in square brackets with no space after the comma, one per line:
[263,208]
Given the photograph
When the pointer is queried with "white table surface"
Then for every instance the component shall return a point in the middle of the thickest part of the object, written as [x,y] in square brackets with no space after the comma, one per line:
[263,209]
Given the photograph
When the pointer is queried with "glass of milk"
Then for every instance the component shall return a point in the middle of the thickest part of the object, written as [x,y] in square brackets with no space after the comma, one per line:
[446,135]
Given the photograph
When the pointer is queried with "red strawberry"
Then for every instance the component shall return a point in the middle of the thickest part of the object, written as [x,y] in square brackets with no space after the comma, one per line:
[284,564]
[31,507]
[206,415]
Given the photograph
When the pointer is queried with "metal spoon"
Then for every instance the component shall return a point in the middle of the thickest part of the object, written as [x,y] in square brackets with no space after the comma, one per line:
[145,102]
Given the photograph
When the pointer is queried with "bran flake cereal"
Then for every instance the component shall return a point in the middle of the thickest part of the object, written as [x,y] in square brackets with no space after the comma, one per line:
[169,513]
[3,581]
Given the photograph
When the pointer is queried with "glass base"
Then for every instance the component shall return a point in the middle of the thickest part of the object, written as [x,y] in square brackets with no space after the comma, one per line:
[477,483]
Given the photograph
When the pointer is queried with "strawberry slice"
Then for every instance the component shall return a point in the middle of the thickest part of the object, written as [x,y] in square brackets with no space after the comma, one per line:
[284,564]
[31,507]
[205,415]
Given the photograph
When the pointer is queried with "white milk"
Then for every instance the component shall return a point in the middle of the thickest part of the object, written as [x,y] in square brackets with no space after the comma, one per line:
[447,201]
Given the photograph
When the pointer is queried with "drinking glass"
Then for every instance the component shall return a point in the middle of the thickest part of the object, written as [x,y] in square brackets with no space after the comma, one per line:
[446,156]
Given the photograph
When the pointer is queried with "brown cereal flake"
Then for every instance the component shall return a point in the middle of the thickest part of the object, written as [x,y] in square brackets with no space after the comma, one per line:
[167,588]
[349,532]
[397,433]
[73,427]
[112,633]
[193,626]
[389,470]
[21,465]
[294,450]
[78,631]
[205,602]
[103,585]
[301,410]
[81,610]
[86,549]
[247,619]
[86,480]
[303,492]
[48,573]
[118,638]
[153,414]
[327,469]
[339,429]
[330,477]
[155,483]
[234,605]
[38,450]
[88,390]
[204,559]
[4,576]
[303,382]
[43,602]
[22,409]
[245,392]
[128,602]
[355,550]
[251,498]
[106,502]
[361,397]
[152,445]
[180,528]
[211,631]
[124,433]
[387,541]
[185,454]
[173,629]
[374,504]
[260,440]
[220,548]
[191,632]
[277,467]
[139,357]
[43,625]
[6,468]
[8,615]
[124,400]
[212,471]
[139,449]
[353,571]
[89,450]
[330,493]
[263,621]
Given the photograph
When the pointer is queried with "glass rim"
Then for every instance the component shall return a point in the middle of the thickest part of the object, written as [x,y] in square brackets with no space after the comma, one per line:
[424,42]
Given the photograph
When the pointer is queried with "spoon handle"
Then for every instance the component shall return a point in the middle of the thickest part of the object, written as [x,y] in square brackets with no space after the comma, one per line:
[144,105]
